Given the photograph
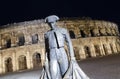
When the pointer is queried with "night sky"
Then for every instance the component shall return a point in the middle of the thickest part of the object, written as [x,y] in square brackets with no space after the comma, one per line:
[24,10]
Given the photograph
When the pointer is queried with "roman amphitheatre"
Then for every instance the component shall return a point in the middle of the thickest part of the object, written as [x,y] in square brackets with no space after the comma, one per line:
[22,44]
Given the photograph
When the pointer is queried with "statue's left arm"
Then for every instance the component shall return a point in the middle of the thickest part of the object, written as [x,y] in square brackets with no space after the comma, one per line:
[69,45]
[46,56]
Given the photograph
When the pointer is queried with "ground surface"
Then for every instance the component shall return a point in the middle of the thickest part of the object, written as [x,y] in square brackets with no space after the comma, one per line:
[107,67]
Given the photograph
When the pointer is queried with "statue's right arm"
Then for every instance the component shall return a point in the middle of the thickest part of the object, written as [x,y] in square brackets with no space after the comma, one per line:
[46,43]
[46,46]
[46,56]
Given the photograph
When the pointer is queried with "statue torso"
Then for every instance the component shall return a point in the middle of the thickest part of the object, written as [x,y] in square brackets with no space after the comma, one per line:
[60,35]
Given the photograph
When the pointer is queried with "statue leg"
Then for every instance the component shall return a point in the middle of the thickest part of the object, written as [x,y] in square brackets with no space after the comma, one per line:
[63,61]
[54,69]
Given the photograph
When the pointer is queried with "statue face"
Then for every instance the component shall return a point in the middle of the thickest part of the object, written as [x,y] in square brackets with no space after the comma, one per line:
[52,25]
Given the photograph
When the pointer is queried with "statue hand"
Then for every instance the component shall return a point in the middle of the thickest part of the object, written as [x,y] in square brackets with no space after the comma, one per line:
[73,58]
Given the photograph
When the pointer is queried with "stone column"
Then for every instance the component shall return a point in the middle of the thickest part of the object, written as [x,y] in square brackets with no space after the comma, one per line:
[14,61]
[0,42]
[102,50]
[114,48]
[92,50]
[3,65]
[118,47]
[27,39]
[28,60]
[31,61]
[42,56]
[1,69]
[13,42]
[3,43]
[17,64]
[82,53]
[40,37]
[12,39]
[108,49]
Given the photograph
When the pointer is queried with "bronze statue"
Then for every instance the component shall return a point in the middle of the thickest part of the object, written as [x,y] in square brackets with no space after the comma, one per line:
[57,65]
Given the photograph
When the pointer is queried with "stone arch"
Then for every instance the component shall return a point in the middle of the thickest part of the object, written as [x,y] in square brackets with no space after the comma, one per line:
[34,38]
[87,51]
[97,50]
[8,65]
[72,34]
[76,52]
[36,60]
[22,62]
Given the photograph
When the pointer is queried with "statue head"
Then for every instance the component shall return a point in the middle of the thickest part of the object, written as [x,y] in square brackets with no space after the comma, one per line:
[51,20]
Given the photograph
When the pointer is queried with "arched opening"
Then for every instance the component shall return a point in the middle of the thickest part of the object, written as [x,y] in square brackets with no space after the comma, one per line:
[101,34]
[8,43]
[87,51]
[97,50]
[36,60]
[35,39]
[22,62]
[92,33]
[8,65]
[82,33]
[21,40]
[72,34]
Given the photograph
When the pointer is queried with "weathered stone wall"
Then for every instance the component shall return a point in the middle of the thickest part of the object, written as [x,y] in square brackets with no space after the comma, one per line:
[22,44]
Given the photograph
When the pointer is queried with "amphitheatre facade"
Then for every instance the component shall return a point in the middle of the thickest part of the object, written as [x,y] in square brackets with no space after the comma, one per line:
[22,44]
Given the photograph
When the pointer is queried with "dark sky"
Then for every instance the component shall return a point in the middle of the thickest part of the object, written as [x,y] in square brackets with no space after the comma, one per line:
[24,10]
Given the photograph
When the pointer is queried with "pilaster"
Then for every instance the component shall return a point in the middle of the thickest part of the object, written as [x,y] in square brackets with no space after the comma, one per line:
[92,51]
[82,53]
[29,63]
[1,69]
[14,61]
[108,49]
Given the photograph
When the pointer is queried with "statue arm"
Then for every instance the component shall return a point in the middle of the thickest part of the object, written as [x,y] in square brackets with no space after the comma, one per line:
[47,56]
[69,45]
[46,43]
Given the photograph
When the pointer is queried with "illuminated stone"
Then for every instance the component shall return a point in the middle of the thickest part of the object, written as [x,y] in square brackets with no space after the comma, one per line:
[91,38]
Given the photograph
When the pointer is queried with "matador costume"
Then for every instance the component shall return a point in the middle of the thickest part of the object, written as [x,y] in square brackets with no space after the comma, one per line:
[57,65]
